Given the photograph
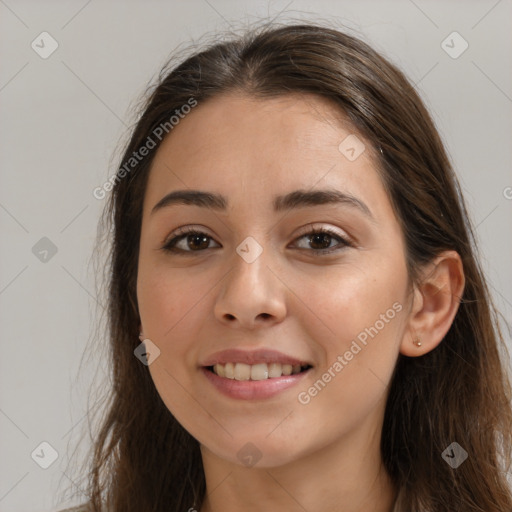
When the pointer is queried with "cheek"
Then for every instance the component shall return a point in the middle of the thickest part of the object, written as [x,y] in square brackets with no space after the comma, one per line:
[356,318]
[172,311]
[168,299]
[349,300]
[165,305]
[360,325]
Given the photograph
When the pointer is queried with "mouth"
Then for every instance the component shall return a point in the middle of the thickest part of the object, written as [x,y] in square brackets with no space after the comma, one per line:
[256,372]
[260,381]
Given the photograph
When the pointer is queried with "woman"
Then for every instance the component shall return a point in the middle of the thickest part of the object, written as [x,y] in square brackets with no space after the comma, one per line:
[292,249]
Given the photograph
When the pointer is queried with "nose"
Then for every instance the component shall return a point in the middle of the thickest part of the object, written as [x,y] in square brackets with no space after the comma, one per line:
[251,295]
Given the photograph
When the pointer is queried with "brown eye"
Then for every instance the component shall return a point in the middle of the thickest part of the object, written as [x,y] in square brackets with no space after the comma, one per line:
[320,241]
[195,241]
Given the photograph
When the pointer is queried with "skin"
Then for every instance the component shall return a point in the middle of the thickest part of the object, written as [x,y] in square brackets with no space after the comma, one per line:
[323,455]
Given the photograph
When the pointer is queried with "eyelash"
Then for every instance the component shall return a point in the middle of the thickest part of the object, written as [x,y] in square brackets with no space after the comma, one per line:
[184,232]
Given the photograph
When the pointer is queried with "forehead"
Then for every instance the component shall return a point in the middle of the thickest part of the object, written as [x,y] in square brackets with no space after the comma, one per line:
[252,148]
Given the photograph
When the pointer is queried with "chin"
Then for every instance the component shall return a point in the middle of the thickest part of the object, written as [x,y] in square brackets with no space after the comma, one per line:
[257,452]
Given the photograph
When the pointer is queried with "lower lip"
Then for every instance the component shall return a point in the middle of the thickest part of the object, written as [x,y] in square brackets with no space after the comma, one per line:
[253,389]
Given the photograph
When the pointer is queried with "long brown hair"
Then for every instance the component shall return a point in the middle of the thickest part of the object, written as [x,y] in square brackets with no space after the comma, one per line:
[143,459]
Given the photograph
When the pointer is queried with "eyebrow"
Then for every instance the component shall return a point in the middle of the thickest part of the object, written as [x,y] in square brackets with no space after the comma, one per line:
[286,202]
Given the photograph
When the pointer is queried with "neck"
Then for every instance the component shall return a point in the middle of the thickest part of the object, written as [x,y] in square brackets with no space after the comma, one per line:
[346,475]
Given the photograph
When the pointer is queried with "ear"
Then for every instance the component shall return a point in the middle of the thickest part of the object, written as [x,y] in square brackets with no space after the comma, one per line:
[435,304]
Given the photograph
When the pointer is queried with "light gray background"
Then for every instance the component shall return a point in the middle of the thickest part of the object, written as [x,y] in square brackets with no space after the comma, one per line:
[63,117]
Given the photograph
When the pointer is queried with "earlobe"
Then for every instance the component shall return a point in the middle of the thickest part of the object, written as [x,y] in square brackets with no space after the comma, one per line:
[436,302]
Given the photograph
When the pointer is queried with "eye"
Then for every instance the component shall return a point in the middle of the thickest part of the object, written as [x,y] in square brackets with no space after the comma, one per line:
[192,238]
[323,237]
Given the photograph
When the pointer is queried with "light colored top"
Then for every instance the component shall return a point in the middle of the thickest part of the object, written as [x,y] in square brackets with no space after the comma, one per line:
[85,507]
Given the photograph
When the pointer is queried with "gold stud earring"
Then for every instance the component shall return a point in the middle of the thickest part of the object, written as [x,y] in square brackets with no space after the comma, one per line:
[417,341]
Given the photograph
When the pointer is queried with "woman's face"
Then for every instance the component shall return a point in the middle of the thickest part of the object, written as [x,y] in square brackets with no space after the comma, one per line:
[257,281]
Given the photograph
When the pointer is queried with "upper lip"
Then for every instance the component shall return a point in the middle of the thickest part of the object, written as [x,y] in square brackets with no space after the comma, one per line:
[262,355]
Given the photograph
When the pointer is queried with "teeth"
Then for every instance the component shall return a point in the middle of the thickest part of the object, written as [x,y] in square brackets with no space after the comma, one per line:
[260,371]
[274,370]
[287,369]
[229,370]
[242,371]
[220,370]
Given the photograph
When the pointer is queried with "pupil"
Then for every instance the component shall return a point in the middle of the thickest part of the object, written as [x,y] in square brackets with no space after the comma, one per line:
[314,239]
[317,238]
[198,238]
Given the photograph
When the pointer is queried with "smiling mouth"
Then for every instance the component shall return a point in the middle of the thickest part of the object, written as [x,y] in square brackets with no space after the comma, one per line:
[260,371]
